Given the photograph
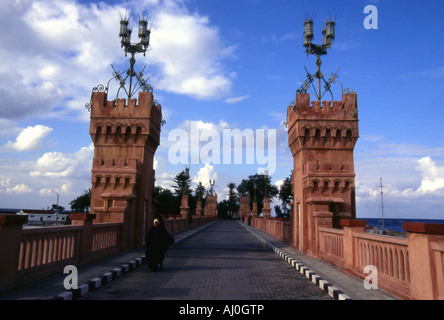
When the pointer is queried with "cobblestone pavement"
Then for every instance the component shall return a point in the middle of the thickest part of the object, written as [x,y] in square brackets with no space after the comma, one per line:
[222,262]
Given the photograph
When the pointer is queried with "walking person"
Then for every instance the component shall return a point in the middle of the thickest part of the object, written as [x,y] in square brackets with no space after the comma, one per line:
[157,242]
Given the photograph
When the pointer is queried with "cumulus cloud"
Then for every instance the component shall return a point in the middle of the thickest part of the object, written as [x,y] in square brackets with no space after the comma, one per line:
[196,142]
[204,175]
[279,183]
[189,52]
[6,186]
[67,174]
[29,138]
[44,54]
[432,176]
[20,188]
[430,182]
[54,164]
[54,50]
[59,164]
[20,99]
[46,192]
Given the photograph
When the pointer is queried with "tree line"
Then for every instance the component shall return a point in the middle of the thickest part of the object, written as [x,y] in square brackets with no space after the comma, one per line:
[168,202]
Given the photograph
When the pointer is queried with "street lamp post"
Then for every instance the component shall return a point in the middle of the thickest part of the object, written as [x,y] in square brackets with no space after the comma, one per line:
[212,182]
[187,175]
[199,200]
[266,183]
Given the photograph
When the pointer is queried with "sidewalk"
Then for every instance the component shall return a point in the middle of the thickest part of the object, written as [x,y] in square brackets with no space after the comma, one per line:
[338,284]
[90,276]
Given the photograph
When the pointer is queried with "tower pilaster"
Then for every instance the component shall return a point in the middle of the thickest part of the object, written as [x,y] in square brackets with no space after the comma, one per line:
[322,138]
[126,134]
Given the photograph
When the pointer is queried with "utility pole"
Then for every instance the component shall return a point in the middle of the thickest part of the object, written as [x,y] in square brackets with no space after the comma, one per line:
[382,205]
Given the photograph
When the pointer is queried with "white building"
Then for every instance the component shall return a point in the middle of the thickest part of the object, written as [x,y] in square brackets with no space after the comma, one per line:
[43,217]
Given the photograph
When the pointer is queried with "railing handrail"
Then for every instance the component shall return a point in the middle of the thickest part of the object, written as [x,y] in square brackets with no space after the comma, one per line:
[105,225]
[331,230]
[382,238]
[51,229]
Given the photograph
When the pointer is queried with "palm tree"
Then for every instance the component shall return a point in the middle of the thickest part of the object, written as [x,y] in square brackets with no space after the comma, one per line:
[83,202]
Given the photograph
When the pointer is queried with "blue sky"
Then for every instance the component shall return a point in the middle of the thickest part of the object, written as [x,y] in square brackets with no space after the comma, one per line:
[223,64]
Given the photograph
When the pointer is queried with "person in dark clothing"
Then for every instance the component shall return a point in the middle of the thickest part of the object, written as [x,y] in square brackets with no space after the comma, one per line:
[157,242]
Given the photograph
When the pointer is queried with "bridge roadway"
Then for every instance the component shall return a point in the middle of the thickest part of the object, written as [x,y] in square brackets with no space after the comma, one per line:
[224,260]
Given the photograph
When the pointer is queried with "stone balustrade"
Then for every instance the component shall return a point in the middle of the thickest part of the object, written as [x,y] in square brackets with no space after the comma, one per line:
[410,268]
[32,254]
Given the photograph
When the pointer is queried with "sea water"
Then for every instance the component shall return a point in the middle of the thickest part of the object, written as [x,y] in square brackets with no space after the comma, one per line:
[396,224]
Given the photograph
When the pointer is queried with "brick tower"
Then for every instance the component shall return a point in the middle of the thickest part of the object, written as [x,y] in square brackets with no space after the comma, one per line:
[322,140]
[125,136]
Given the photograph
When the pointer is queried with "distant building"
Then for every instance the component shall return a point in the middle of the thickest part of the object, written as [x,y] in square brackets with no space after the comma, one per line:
[39,217]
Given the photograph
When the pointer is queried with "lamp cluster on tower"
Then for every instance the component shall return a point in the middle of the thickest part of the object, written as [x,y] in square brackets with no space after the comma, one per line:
[143,33]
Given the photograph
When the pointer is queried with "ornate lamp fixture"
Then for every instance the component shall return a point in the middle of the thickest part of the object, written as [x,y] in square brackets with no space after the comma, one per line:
[319,50]
[125,35]
[133,48]
[136,80]
[212,182]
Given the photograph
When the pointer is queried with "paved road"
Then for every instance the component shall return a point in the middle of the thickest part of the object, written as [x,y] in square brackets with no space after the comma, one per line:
[223,262]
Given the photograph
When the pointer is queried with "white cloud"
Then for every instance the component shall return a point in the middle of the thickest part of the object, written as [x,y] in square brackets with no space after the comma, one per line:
[205,174]
[279,183]
[285,37]
[21,99]
[432,176]
[189,52]
[29,138]
[204,126]
[46,192]
[410,183]
[54,164]
[64,165]
[20,188]
[45,51]
[412,178]
[68,174]
[54,50]
[236,99]
[7,187]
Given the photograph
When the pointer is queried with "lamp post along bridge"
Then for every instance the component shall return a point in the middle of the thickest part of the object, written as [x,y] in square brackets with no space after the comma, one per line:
[136,80]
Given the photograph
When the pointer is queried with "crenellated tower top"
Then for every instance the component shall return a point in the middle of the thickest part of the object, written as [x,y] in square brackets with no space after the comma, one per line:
[330,125]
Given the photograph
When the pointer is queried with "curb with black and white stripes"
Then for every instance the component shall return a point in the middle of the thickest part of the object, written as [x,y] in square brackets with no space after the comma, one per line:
[116,272]
[105,278]
[332,291]
[326,286]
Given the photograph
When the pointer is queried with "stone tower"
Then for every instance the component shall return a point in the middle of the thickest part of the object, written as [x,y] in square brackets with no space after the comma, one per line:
[322,140]
[125,135]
